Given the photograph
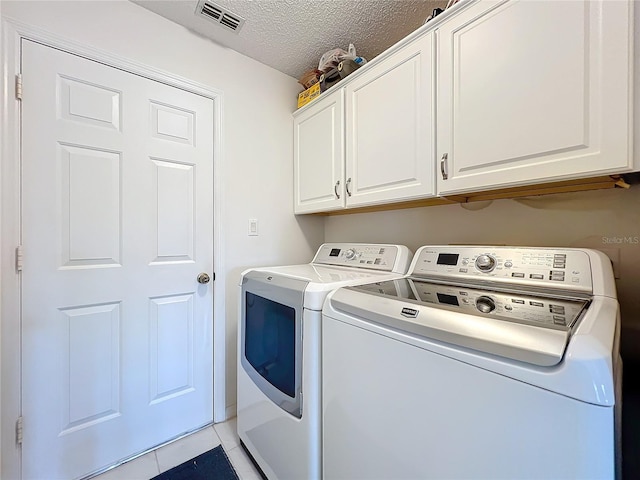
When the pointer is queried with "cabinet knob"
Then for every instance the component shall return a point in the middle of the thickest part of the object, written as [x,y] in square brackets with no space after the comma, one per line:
[443,166]
[335,189]
[347,185]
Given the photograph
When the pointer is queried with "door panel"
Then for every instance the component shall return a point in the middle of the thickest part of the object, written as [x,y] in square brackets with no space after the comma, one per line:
[171,345]
[117,223]
[91,208]
[175,208]
[91,352]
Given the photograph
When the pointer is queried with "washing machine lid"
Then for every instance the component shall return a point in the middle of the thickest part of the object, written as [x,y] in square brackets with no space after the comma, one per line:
[323,279]
[341,264]
[518,325]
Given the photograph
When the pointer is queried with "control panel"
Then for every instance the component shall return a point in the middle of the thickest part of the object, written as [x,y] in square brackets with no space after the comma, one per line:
[377,257]
[548,267]
[533,310]
[549,312]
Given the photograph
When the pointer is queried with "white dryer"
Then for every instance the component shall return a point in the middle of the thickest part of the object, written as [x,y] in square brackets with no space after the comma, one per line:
[279,366]
[483,363]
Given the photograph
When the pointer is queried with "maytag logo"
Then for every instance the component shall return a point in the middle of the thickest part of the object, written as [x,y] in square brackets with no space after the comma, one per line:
[409,312]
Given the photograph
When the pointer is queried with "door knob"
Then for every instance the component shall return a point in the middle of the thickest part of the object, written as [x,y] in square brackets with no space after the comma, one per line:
[203,278]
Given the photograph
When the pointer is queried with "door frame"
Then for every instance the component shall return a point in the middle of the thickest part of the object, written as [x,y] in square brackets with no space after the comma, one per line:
[12,32]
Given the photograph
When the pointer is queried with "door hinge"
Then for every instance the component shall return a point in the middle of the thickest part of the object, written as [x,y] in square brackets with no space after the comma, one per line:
[19,258]
[19,86]
[19,431]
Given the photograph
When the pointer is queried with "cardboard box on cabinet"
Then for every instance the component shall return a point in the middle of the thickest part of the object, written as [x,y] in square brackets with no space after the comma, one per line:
[309,94]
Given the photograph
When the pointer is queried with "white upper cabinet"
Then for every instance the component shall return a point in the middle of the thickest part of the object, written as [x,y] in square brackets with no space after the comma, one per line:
[389,128]
[492,94]
[318,144]
[532,91]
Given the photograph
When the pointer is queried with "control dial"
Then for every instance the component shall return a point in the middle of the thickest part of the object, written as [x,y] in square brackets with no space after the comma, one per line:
[351,254]
[485,304]
[485,263]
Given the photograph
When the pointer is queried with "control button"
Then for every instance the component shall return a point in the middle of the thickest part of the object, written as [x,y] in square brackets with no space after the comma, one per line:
[559,256]
[575,279]
[508,264]
[517,300]
[556,272]
[465,262]
[485,304]
[517,275]
[485,263]
[463,270]
[536,304]
[536,276]
[508,308]
[558,320]
[350,254]
[556,309]
[555,278]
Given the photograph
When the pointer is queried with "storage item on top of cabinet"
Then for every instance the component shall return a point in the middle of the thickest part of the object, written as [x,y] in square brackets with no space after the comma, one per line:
[318,146]
[389,128]
[530,92]
[388,136]
[309,95]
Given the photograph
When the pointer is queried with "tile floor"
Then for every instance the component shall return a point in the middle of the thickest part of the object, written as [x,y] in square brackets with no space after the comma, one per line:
[167,457]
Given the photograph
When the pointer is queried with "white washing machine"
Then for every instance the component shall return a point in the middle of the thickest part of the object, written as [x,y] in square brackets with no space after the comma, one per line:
[279,351]
[482,363]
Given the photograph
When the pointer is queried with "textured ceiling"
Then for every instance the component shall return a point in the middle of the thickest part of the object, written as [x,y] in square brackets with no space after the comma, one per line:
[292,35]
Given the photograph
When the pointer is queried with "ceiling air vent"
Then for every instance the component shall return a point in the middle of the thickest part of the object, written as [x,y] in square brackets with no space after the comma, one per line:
[219,15]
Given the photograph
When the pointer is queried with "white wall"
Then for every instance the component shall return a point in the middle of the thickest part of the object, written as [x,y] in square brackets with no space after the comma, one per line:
[257,133]
[587,219]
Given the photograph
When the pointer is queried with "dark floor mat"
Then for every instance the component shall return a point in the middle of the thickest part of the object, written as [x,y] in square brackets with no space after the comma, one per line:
[211,465]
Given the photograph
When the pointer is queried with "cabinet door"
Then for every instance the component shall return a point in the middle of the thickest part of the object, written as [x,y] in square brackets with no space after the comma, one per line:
[319,155]
[389,128]
[533,91]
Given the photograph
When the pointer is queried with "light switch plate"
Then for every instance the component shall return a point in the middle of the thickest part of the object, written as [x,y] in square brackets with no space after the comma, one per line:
[253,227]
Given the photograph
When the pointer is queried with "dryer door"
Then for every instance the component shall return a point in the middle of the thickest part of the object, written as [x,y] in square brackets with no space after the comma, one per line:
[271,336]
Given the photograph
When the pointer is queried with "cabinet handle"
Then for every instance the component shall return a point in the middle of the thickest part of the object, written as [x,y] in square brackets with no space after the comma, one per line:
[348,183]
[443,166]
[335,189]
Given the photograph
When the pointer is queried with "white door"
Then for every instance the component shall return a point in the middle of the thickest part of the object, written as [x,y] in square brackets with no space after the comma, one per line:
[318,160]
[117,196]
[533,91]
[390,129]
